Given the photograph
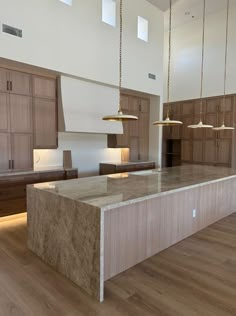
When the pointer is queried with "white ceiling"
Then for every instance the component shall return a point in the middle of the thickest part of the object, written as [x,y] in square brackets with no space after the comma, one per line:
[186,10]
[162,4]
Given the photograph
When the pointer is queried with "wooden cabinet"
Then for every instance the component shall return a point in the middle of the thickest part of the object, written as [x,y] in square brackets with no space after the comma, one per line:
[45,123]
[22,151]
[13,187]
[28,114]
[15,82]
[20,114]
[44,87]
[5,150]
[204,146]
[16,152]
[20,83]
[4,78]
[4,113]
[136,133]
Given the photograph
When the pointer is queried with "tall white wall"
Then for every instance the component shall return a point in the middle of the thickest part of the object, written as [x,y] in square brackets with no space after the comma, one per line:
[73,41]
[186,56]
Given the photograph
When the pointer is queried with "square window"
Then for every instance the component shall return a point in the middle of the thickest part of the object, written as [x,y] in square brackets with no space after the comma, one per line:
[109,12]
[69,2]
[142,29]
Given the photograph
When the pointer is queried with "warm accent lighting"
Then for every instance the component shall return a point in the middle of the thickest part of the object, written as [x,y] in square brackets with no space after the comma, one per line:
[167,121]
[120,116]
[200,124]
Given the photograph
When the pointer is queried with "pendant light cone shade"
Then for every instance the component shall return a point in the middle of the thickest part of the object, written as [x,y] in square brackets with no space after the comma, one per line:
[167,121]
[223,127]
[120,116]
[201,124]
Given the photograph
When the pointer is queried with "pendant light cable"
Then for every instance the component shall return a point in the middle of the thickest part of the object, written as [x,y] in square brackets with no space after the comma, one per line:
[168,121]
[119,117]
[120,56]
[200,124]
[223,127]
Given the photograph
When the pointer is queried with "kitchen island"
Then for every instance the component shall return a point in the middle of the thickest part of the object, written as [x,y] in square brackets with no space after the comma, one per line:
[91,229]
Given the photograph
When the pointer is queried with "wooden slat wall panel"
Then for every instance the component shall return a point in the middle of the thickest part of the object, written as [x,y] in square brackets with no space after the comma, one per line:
[137,231]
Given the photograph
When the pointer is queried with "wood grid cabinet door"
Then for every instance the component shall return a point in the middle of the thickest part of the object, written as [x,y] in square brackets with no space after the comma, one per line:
[186,151]
[21,114]
[4,80]
[20,83]
[210,151]
[44,87]
[5,150]
[45,123]
[224,152]
[4,113]
[22,151]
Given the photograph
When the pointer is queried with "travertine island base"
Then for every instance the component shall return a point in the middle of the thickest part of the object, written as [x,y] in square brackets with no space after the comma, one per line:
[91,229]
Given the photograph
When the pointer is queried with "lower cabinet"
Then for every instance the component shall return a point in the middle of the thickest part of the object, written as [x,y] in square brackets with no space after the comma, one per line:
[16,152]
[13,187]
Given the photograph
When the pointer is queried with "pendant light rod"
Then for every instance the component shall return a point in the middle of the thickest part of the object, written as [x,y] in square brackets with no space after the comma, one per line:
[223,127]
[169,54]
[167,121]
[203,49]
[120,117]
[120,52]
[200,124]
[226,57]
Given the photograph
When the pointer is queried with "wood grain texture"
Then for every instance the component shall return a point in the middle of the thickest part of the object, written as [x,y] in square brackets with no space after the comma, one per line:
[20,83]
[5,151]
[194,277]
[4,113]
[21,114]
[44,87]
[45,123]
[216,147]
[137,231]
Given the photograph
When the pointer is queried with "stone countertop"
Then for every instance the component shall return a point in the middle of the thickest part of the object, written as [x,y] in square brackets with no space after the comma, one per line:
[116,190]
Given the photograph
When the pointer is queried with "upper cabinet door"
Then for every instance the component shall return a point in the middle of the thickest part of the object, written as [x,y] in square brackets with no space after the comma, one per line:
[21,114]
[20,83]
[4,79]
[44,87]
[4,112]
[45,123]
[5,151]
[22,151]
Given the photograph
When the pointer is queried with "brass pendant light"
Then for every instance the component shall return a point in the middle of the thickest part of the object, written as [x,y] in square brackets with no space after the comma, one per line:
[223,127]
[120,116]
[201,124]
[167,121]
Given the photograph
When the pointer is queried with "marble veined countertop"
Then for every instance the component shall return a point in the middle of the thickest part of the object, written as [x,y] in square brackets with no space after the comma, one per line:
[111,191]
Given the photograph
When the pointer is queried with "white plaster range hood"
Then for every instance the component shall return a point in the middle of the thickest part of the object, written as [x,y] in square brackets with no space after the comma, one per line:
[82,105]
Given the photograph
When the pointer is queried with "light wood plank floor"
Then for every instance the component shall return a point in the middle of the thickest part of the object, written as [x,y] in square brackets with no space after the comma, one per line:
[195,277]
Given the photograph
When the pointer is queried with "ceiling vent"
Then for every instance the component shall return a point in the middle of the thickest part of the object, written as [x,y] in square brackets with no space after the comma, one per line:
[11,30]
